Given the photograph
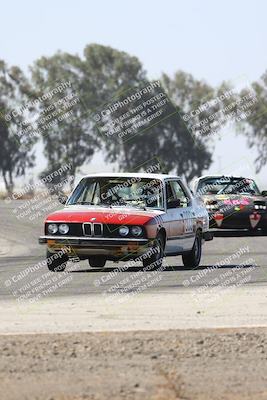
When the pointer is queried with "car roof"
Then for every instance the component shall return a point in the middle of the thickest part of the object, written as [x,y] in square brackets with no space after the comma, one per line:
[132,175]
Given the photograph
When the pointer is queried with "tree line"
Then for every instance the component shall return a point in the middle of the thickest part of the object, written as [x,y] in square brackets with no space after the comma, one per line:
[102,101]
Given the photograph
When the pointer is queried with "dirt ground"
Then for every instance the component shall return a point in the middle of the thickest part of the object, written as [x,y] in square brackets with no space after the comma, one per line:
[176,364]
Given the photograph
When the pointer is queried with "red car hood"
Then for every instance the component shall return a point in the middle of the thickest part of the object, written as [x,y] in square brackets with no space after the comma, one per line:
[104,215]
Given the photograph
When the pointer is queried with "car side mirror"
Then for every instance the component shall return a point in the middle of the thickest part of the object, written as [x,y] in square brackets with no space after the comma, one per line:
[62,199]
[174,203]
[264,193]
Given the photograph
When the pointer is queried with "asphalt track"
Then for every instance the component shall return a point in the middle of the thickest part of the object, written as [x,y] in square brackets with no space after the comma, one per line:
[233,275]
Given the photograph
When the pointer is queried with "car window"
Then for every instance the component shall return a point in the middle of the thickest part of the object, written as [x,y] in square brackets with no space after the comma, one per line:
[179,193]
[119,191]
[227,185]
[169,193]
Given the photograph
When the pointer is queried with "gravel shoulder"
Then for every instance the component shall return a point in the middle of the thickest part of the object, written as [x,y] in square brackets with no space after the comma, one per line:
[175,364]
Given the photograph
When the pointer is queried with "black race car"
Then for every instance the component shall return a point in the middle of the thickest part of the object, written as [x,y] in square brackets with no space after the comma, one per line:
[233,202]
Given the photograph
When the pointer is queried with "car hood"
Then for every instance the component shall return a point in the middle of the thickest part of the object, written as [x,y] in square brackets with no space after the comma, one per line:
[104,215]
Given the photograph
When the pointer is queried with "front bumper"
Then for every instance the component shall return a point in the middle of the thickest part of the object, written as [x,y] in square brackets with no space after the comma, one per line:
[238,220]
[86,246]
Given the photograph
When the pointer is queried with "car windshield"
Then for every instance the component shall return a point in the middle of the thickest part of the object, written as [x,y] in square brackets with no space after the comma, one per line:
[225,185]
[118,191]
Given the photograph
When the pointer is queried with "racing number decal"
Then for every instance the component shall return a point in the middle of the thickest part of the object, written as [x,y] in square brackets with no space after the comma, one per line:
[188,222]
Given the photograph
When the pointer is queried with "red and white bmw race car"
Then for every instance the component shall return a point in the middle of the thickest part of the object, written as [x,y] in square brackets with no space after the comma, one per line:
[127,216]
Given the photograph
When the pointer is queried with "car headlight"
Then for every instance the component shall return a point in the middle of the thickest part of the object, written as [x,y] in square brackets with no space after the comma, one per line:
[259,207]
[136,230]
[63,228]
[52,228]
[211,206]
[123,230]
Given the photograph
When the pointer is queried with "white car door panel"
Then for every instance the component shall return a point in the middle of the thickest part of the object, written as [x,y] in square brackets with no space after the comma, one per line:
[181,219]
[174,241]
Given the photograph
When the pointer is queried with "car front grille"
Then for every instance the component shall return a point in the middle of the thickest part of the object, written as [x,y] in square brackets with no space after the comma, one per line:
[87,229]
[93,230]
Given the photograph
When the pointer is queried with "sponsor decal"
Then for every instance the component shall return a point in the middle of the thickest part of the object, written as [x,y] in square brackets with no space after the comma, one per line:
[236,202]
[254,219]
[188,222]
[218,217]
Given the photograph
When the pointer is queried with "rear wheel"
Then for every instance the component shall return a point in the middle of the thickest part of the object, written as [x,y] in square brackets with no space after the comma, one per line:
[193,257]
[97,261]
[157,253]
[56,262]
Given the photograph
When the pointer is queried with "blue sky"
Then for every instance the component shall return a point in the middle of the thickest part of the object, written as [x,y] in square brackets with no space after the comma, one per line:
[213,40]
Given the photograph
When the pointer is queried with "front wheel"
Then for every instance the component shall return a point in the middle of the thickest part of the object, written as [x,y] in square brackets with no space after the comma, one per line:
[56,262]
[155,254]
[192,258]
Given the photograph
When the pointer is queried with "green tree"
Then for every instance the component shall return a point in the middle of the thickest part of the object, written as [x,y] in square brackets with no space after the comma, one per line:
[102,77]
[255,126]
[62,118]
[110,74]
[175,148]
[167,138]
[96,78]
[16,150]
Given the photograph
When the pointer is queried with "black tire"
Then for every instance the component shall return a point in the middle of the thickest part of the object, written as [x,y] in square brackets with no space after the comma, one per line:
[56,262]
[156,259]
[97,261]
[192,258]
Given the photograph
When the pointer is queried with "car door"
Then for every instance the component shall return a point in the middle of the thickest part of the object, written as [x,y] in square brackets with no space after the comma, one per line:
[180,216]
[175,223]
